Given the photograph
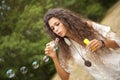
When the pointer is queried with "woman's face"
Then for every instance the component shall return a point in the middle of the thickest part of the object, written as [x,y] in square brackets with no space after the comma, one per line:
[57,26]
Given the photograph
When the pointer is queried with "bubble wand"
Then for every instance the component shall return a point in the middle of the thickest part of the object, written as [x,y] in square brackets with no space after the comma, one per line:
[55,47]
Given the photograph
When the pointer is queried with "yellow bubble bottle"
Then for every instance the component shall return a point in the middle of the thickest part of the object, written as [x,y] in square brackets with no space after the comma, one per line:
[86,41]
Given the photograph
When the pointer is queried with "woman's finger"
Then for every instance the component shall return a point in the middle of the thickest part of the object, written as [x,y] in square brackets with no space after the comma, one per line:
[97,45]
[92,43]
[48,44]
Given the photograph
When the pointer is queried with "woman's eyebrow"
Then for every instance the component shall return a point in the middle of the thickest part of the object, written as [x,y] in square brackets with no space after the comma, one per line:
[56,22]
[51,25]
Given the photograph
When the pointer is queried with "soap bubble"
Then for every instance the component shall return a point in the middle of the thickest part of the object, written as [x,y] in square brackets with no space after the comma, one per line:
[10,73]
[8,8]
[1,60]
[45,58]
[23,70]
[55,48]
[3,1]
[1,13]
[35,64]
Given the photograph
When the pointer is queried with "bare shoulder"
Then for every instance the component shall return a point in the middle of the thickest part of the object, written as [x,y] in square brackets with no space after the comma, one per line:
[89,23]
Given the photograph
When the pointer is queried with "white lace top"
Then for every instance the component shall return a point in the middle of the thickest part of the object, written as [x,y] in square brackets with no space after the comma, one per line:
[104,66]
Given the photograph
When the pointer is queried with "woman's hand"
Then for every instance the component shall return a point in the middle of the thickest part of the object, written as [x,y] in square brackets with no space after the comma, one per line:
[95,45]
[49,50]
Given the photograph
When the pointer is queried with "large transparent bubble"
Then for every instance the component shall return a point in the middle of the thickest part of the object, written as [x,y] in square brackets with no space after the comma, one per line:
[46,58]
[23,70]
[10,73]
[35,64]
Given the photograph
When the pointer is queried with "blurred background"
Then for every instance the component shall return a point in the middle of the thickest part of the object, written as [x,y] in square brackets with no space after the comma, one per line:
[22,36]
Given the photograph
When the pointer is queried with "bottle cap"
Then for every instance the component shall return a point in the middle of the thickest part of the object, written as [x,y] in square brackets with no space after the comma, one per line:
[86,41]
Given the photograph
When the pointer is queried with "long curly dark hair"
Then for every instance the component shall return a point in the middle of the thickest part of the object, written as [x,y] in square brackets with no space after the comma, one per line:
[75,24]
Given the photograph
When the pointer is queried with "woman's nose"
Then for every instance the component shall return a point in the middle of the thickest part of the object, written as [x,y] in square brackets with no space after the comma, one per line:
[56,29]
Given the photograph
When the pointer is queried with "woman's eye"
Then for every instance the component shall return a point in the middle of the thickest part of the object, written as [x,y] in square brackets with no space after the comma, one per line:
[57,24]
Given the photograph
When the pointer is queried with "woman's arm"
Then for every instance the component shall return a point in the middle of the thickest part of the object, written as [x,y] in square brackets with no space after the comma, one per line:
[98,43]
[111,44]
[50,52]
[62,73]
[95,44]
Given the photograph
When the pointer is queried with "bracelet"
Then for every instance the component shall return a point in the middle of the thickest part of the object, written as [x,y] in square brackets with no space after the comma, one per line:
[103,43]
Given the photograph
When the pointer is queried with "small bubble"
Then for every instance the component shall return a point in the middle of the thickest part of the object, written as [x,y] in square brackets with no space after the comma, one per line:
[8,8]
[3,1]
[1,60]
[45,58]
[28,32]
[10,73]
[23,70]
[35,65]
[1,13]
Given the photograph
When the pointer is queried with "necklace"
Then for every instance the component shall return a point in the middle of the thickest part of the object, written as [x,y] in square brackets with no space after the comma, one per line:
[86,62]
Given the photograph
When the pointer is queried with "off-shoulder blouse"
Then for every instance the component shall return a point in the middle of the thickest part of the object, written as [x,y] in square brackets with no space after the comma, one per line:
[105,66]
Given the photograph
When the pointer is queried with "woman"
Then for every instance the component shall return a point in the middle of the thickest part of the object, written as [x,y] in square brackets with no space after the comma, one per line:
[101,57]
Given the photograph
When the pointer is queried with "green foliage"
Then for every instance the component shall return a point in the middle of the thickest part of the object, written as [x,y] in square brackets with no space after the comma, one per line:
[92,9]
[22,37]
[23,41]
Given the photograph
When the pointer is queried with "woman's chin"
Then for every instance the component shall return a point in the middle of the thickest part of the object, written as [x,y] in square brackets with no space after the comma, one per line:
[61,35]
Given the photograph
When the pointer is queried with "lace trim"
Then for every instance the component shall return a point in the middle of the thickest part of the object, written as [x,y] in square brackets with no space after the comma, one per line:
[102,29]
[66,65]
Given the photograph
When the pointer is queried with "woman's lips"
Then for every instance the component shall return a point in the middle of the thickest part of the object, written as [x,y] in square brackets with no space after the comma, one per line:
[60,33]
